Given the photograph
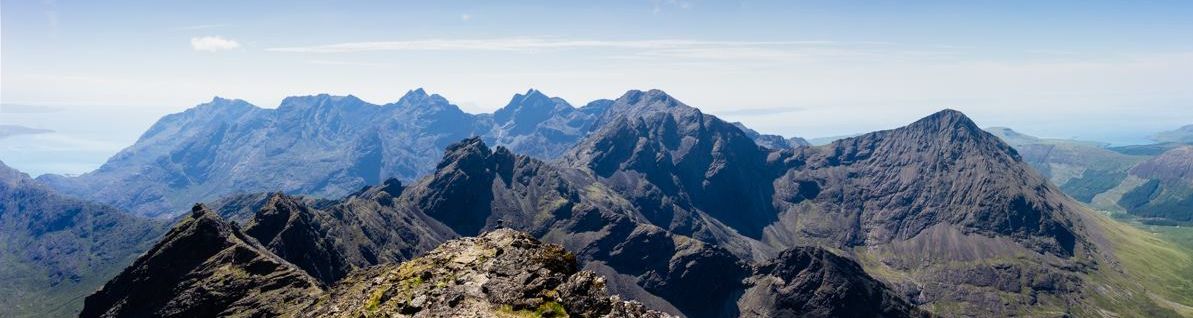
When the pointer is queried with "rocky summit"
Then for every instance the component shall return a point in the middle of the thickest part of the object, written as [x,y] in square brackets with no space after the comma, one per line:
[502,273]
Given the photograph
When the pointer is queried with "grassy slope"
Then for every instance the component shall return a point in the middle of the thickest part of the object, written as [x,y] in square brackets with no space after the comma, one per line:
[1153,277]
[1150,274]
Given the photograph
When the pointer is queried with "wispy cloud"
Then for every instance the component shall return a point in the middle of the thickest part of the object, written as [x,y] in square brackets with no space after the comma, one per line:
[529,44]
[669,50]
[465,17]
[213,44]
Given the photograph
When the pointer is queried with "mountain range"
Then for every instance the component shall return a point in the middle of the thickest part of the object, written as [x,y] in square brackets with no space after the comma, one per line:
[680,211]
[230,146]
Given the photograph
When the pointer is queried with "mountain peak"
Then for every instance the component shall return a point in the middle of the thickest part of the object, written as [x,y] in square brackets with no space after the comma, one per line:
[526,111]
[471,147]
[225,103]
[649,98]
[468,144]
[320,100]
[417,93]
[199,210]
[420,97]
[532,96]
[534,92]
[947,119]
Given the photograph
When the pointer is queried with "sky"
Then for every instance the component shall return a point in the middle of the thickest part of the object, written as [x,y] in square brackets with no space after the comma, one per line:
[98,74]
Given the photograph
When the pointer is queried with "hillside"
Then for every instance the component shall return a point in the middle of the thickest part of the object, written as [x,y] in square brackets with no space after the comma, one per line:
[55,249]
[1146,181]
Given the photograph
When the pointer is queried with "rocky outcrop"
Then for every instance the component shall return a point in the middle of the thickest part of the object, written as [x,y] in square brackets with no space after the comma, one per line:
[498,274]
[813,282]
[204,267]
[292,231]
[329,239]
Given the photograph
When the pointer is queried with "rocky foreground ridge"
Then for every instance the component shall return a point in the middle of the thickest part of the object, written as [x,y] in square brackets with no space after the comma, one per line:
[208,267]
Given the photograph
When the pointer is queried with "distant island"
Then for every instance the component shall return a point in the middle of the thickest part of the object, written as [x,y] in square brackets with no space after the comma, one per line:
[15,130]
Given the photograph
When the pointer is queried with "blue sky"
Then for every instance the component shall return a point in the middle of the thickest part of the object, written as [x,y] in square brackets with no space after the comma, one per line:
[1108,70]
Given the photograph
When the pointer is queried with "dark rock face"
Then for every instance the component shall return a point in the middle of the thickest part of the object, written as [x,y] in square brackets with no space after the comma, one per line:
[459,193]
[500,273]
[812,282]
[289,230]
[930,199]
[676,163]
[204,267]
[55,249]
[941,169]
